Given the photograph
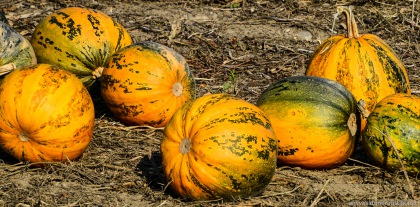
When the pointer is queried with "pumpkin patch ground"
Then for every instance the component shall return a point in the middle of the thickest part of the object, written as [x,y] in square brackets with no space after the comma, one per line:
[237,47]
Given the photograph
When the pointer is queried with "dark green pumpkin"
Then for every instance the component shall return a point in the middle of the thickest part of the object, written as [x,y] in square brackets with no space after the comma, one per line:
[314,120]
[396,117]
[16,51]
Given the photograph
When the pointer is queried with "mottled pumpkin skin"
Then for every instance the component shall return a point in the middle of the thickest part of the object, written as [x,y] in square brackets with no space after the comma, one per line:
[218,146]
[145,83]
[16,50]
[46,114]
[398,117]
[315,120]
[365,64]
[79,40]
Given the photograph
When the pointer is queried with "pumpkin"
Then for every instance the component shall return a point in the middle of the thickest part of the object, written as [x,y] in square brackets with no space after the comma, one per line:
[46,115]
[315,120]
[395,118]
[145,83]
[218,146]
[79,40]
[365,64]
[16,50]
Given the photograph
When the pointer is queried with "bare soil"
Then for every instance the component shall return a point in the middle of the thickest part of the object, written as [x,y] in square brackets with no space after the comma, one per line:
[238,47]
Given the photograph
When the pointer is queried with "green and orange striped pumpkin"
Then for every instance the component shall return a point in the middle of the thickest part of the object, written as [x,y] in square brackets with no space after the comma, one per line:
[16,50]
[218,146]
[395,118]
[46,115]
[315,120]
[365,64]
[79,40]
[145,83]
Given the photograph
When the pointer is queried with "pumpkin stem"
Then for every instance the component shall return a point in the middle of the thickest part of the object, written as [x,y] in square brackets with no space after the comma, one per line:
[97,73]
[177,89]
[352,124]
[4,69]
[185,145]
[352,31]
[361,106]
[23,137]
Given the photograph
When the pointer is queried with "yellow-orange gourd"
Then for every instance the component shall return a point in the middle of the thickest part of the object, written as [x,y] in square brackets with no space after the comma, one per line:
[218,146]
[145,83]
[80,40]
[365,64]
[46,115]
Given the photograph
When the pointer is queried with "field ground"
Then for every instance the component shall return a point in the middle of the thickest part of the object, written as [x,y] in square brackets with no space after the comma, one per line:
[237,47]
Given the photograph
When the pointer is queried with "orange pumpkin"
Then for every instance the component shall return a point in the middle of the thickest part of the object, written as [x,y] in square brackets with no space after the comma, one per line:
[79,40]
[365,64]
[46,114]
[218,146]
[145,83]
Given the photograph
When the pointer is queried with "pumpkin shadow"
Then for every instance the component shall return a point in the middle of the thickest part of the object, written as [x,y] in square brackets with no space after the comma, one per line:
[7,159]
[101,109]
[359,155]
[150,167]
[359,152]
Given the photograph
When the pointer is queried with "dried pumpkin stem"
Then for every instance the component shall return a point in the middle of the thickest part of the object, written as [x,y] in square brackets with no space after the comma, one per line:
[362,108]
[185,145]
[352,124]
[4,69]
[97,73]
[177,89]
[23,137]
[352,31]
